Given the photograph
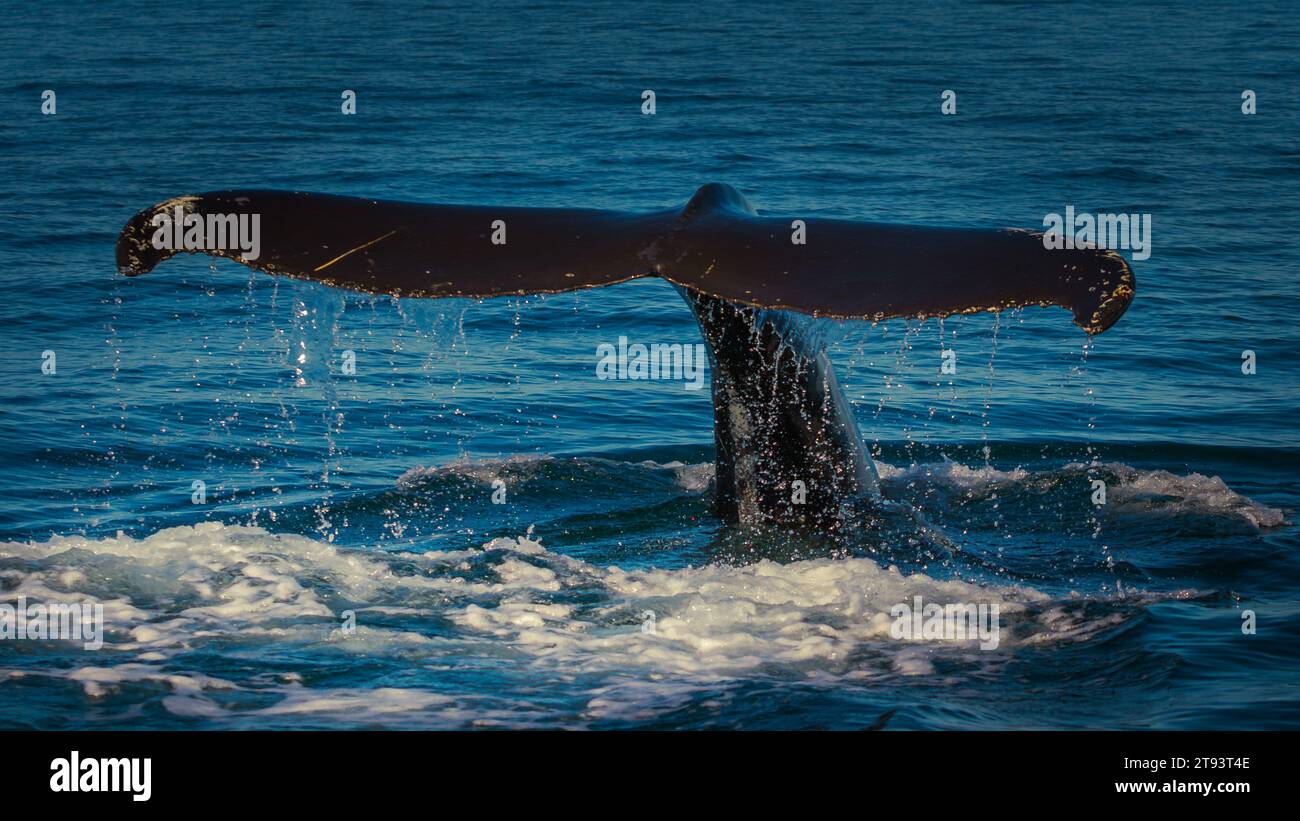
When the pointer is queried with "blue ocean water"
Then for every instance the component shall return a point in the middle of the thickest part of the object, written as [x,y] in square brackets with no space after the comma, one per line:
[330,493]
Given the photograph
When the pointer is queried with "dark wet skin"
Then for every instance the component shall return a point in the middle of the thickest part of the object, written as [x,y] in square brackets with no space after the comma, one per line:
[788,448]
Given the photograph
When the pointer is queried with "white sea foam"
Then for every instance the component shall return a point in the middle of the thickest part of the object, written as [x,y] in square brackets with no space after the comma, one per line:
[949,472]
[235,586]
[1161,493]
[1135,493]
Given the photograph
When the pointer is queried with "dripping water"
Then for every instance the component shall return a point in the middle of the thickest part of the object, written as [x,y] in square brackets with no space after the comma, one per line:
[1092,459]
[985,421]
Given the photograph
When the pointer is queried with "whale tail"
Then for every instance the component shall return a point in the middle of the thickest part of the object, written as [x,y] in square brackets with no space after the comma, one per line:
[788,448]
[716,244]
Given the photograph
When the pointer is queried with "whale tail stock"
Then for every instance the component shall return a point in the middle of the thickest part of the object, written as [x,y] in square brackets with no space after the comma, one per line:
[779,415]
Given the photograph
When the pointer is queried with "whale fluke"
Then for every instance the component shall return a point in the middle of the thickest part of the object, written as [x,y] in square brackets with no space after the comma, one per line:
[780,419]
[716,245]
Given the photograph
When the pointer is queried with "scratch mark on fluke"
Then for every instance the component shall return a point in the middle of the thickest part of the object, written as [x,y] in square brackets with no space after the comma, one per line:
[361,247]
